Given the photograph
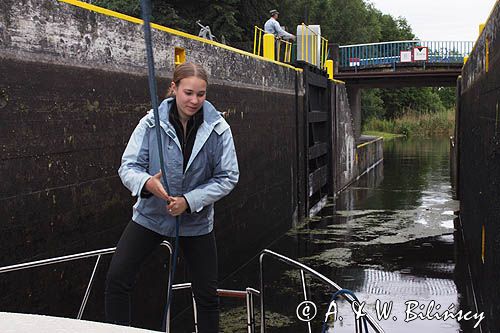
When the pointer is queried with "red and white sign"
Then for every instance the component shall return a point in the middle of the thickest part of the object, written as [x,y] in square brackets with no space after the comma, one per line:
[405,56]
[353,62]
[420,53]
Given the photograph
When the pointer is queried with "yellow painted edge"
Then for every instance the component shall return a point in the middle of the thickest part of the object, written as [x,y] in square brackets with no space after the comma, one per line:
[337,81]
[485,23]
[487,54]
[132,19]
[483,241]
[369,142]
[497,118]
[481,28]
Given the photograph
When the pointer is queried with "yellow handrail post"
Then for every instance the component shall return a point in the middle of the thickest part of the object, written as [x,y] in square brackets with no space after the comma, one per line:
[321,60]
[257,41]
[325,50]
[278,51]
[254,39]
[290,52]
[315,50]
[260,42]
[481,28]
[269,46]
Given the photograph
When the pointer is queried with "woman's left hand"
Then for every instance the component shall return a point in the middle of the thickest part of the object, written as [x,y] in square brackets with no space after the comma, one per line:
[177,206]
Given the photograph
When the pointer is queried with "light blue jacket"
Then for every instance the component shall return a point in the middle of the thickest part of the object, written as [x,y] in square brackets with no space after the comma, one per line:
[211,172]
[272,26]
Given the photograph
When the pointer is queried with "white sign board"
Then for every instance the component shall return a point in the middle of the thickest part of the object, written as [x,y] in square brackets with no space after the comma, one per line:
[353,62]
[405,56]
[420,53]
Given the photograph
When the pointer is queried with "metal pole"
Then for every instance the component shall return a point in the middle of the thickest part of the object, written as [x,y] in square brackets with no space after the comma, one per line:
[195,314]
[249,319]
[304,290]
[89,287]
[262,308]
[50,261]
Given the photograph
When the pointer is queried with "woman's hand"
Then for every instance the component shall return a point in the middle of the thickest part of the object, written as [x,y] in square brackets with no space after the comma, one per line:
[177,206]
[155,186]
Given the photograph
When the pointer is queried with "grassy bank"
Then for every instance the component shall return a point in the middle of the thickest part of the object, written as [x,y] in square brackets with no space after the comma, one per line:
[414,124]
[386,136]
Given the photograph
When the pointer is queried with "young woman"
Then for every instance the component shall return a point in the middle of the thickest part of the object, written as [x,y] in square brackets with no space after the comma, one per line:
[201,167]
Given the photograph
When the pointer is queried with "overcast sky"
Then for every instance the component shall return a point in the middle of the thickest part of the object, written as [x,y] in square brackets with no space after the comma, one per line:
[440,20]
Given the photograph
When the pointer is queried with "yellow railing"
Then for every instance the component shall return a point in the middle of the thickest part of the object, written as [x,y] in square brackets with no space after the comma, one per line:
[324,51]
[283,50]
[287,54]
[257,40]
[315,40]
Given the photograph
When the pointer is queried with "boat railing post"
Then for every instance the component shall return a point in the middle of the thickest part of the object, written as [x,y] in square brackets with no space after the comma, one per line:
[304,290]
[89,288]
[262,308]
[170,252]
[249,312]
[252,304]
[195,313]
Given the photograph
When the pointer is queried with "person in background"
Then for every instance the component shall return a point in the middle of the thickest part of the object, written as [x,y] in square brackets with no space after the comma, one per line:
[272,26]
[201,167]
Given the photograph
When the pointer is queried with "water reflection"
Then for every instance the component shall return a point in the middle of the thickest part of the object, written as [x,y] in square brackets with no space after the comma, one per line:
[388,237]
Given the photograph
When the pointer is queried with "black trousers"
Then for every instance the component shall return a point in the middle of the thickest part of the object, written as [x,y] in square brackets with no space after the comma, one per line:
[134,246]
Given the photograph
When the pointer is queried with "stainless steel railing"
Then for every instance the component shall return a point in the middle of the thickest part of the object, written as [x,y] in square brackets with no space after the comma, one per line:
[78,256]
[247,294]
[303,269]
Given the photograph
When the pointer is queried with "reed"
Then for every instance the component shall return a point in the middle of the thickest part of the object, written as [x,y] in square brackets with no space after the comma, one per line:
[415,124]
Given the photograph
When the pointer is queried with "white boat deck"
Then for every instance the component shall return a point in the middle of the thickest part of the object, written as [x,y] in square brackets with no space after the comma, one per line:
[30,323]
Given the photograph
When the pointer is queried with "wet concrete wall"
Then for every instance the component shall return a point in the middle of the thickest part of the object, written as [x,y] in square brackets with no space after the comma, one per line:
[368,154]
[73,86]
[345,147]
[478,142]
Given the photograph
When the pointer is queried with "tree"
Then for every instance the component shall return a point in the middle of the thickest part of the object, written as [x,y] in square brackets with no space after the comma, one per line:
[342,22]
[220,15]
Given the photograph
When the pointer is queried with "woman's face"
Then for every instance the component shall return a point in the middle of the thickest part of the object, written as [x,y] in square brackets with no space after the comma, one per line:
[190,94]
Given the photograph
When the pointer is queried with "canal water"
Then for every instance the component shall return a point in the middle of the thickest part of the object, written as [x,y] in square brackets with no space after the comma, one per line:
[389,238]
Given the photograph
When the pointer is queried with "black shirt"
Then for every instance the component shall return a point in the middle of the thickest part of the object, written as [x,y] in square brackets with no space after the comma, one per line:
[186,139]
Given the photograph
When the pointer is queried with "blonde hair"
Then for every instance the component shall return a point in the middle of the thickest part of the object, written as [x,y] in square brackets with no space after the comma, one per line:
[185,70]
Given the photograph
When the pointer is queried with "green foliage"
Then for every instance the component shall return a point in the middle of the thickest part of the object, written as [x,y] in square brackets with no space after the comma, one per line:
[397,102]
[390,104]
[415,124]
[342,22]
[447,96]
[372,104]
[220,15]
[386,136]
